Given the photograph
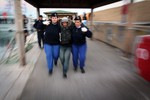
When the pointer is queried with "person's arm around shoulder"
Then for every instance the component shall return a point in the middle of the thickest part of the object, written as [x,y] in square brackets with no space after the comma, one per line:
[89,34]
[86,31]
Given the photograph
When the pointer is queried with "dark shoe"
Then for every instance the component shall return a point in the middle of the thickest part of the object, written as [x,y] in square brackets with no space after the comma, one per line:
[82,70]
[65,75]
[75,69]
[55,63]
[50,72]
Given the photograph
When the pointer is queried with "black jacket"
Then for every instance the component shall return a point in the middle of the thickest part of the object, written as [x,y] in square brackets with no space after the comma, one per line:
[79,37]
[39,25]
[52,34]
[65,36]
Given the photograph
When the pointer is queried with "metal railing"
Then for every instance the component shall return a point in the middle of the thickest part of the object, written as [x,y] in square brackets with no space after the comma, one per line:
[11,51]
[6,55]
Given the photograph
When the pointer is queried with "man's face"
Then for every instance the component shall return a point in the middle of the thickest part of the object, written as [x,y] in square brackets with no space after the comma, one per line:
[40,18]
[64,24]
[54,19]
[77,23]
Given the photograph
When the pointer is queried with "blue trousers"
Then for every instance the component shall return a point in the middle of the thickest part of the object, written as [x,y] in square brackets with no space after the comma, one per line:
[52,54]
[65,57]
[79,53]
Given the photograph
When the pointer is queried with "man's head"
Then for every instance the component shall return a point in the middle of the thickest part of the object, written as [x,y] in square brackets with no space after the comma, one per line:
[54,17]
[64,21]
[77,21]
[40,17]
[24,16]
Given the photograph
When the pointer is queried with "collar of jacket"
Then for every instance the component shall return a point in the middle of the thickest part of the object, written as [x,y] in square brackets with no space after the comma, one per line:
[54,23]
[78,27]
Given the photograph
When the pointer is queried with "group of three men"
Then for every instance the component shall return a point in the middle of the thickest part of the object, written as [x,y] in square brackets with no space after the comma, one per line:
[62,37]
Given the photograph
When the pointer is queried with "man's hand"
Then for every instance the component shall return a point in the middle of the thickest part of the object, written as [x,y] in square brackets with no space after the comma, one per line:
[46,22]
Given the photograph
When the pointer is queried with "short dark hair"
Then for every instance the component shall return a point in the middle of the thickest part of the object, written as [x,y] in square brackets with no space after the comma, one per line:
[40,16]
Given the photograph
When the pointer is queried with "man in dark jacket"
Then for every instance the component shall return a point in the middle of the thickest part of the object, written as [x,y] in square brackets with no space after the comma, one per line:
[40,30]
[51,39]
[65,44]
[79,46]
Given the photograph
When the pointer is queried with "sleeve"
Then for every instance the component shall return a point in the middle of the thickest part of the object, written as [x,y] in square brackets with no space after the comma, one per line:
[59,28]
[44,27]
[35,25]
[72,26]
[89,34]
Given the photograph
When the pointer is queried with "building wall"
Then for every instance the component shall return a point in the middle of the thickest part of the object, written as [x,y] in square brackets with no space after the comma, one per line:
[117,35]
[140,10]
[108,15]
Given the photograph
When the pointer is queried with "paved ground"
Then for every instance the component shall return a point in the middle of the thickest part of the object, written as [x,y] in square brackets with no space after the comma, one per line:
[107,77]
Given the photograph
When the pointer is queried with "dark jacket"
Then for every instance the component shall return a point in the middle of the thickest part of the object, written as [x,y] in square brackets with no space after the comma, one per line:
[65,35]
[52,34]
[79,37]
[39,25]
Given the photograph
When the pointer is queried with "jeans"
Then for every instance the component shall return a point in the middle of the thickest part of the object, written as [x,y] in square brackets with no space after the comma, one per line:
[65,57]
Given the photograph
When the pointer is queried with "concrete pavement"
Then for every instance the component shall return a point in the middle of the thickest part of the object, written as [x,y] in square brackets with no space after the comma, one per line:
[107,77]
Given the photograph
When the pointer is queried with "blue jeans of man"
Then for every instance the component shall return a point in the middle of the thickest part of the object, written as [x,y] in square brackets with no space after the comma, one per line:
[65,57]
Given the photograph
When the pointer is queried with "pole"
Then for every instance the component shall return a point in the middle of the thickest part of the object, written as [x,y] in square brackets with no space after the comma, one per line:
[129,32]
[91,17]
[19,31]
[38,12]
